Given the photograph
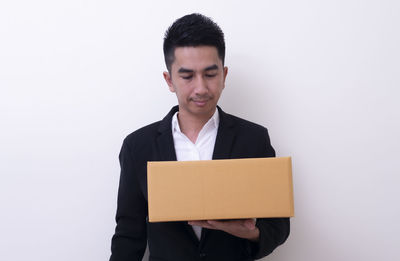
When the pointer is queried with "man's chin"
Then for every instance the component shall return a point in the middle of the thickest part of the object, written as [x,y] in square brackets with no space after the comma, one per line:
[202,110]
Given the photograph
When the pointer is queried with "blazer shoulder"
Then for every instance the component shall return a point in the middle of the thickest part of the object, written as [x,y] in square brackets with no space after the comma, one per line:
[247,126]
[151,131]
[251,139]
[143,134]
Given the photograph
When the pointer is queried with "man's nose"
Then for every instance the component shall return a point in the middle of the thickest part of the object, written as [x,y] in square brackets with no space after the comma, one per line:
[201,86]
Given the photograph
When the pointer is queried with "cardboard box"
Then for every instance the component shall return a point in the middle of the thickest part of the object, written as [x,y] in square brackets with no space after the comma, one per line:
[220,189]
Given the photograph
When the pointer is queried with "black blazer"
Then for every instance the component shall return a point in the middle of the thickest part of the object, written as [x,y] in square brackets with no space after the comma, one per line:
[175,241]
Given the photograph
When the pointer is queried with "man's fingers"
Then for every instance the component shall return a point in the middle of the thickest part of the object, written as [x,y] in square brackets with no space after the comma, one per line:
[212,224]
[244,228]
[250,224]
[201,223]
[217,224]
[228,224]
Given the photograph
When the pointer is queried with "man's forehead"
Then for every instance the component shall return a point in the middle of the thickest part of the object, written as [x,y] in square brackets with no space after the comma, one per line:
[196,58]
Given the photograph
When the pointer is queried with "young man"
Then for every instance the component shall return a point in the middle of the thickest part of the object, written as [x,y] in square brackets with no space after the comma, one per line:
[196,129]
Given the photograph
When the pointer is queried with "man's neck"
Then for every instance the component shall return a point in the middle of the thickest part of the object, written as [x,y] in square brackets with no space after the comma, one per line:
[191,125]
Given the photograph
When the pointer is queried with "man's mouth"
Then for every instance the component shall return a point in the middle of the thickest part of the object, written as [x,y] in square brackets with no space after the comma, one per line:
[200,102]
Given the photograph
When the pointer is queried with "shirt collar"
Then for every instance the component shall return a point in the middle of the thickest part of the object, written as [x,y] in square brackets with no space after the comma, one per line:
[213,121]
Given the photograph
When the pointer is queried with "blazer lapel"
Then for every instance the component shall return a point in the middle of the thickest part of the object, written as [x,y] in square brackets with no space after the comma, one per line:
[225,136]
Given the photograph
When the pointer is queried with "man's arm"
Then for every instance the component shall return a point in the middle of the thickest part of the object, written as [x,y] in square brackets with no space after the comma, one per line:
[273,232]
[129,240]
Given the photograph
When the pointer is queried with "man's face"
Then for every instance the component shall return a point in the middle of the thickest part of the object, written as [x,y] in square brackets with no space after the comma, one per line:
[197,78]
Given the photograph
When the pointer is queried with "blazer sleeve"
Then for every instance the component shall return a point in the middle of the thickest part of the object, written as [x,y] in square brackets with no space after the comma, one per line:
[273,231]
[130,238]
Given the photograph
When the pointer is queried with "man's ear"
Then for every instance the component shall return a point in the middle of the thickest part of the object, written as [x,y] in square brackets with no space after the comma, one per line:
[225,73]
[168,79]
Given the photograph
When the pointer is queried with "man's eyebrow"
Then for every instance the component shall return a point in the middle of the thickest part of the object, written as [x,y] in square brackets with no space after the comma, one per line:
[209,68]
[212,67]
[184,70]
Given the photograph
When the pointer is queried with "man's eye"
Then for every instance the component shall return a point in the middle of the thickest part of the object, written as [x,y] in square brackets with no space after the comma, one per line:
[187,77]
[211,75]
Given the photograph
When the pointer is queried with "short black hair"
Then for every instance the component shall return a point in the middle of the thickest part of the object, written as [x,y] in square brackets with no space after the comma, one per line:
[193,30]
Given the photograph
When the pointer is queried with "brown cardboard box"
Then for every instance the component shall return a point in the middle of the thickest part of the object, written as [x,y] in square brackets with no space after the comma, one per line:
[220,189]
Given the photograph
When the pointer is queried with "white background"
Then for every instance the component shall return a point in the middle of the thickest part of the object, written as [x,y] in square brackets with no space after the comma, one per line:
[77,76]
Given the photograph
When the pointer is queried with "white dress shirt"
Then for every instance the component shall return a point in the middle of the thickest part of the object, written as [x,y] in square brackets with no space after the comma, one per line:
[202,149]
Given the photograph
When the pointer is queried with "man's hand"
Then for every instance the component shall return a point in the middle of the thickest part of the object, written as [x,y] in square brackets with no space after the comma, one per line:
[243,228]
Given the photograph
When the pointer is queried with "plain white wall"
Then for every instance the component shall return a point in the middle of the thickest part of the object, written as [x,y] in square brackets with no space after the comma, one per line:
[77,76]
